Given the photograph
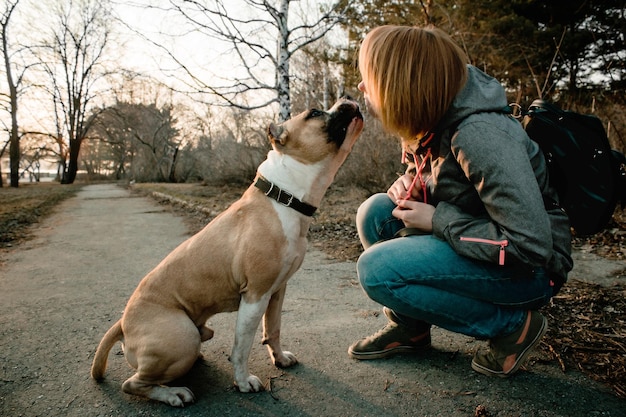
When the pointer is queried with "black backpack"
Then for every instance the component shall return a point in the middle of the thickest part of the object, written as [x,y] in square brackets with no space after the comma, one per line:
[589,177]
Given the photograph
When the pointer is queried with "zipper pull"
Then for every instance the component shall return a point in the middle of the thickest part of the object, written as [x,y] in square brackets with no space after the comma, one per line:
[502,243]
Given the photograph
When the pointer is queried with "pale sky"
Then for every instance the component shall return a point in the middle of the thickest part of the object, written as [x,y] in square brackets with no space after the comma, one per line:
[207,58]
[197,50]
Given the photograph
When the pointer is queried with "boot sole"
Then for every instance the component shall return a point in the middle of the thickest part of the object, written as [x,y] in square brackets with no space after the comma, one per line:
[381,354]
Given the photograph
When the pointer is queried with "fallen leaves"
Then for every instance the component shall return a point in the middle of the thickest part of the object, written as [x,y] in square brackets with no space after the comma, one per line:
[588,332]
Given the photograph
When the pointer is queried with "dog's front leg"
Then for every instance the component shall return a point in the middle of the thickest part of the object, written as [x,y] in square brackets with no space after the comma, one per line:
[271,331]
[248,319]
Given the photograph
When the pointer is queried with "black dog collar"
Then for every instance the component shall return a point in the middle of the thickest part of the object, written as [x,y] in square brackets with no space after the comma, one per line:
[283,197]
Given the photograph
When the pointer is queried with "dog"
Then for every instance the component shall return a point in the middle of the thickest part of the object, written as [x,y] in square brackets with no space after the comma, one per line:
[240,261]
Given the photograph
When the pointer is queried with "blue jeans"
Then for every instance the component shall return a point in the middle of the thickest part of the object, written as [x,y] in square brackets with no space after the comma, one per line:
[422,278]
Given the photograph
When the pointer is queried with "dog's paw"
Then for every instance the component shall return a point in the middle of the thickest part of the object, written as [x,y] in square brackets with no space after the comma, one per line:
[174,396]
[250,384]
[181,395]
[285,359]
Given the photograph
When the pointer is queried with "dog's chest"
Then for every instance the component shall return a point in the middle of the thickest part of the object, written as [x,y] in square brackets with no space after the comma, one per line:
[294,225]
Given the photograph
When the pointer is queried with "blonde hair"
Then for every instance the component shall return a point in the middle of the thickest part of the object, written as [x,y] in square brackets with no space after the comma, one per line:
[412,75]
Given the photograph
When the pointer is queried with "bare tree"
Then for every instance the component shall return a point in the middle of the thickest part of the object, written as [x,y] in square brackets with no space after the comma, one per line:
[13,84]
[317,80]
[79,38]
[143,140]
[263,42]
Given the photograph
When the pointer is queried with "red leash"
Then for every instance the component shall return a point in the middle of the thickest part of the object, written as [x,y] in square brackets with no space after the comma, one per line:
[419,169]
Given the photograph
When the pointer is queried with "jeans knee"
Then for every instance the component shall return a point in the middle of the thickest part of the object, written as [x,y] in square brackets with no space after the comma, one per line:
[370,206]
[375,221]
[370,281]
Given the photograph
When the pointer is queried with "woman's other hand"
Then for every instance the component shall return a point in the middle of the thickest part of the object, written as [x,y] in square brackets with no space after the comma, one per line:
[415,214]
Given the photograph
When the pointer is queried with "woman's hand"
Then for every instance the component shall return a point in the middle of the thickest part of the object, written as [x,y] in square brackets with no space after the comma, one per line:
[415,214]
[399,189]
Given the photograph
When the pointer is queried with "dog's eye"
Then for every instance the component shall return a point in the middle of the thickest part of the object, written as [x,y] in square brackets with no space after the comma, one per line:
[315,113]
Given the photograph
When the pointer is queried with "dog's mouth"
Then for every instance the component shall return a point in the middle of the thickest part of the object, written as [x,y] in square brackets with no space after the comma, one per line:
[339,118]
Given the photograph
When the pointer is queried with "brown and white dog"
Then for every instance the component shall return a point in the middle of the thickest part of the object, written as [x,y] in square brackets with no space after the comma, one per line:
[240,261]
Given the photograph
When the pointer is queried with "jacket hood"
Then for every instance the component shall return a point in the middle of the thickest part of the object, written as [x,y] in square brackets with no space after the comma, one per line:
[481,93]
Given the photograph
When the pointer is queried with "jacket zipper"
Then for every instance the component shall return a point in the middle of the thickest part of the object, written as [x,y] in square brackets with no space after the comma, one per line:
[502,243]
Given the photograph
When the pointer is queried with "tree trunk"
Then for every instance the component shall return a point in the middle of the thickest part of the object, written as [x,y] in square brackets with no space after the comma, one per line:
[14,140]
[14,155]
[69,175]
[172,177]
[282,69]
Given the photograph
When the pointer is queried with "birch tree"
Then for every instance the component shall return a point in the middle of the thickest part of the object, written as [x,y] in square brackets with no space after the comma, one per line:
[262,39]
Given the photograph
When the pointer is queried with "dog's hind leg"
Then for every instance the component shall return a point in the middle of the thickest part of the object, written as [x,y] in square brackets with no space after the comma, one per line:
[248,319]
[161,354]
[271,331]
[174,396]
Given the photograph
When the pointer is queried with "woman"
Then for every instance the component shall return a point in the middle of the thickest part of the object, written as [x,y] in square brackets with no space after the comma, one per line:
[470,238]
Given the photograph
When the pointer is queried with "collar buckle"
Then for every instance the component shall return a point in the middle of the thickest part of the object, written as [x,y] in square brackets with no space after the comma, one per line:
[282,193]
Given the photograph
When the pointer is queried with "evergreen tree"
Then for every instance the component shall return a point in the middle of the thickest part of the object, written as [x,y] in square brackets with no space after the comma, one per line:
[535,47]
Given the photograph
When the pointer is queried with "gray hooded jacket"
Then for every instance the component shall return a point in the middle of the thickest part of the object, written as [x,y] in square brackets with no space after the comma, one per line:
[489,184]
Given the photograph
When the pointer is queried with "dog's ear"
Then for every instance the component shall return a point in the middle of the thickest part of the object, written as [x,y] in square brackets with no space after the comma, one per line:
[277,133]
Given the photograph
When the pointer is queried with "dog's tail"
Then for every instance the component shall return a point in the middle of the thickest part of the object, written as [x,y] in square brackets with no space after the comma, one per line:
[111,337]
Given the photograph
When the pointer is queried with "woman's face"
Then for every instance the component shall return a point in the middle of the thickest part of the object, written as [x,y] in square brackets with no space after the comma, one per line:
[372,107]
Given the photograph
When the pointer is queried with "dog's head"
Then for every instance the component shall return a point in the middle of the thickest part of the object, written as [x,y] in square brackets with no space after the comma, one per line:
[314,134]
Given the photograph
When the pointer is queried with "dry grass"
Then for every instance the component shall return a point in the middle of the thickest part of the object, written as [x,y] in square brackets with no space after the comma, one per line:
[20,207]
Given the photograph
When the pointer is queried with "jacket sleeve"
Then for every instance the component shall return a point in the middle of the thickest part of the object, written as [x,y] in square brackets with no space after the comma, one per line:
[514,226]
